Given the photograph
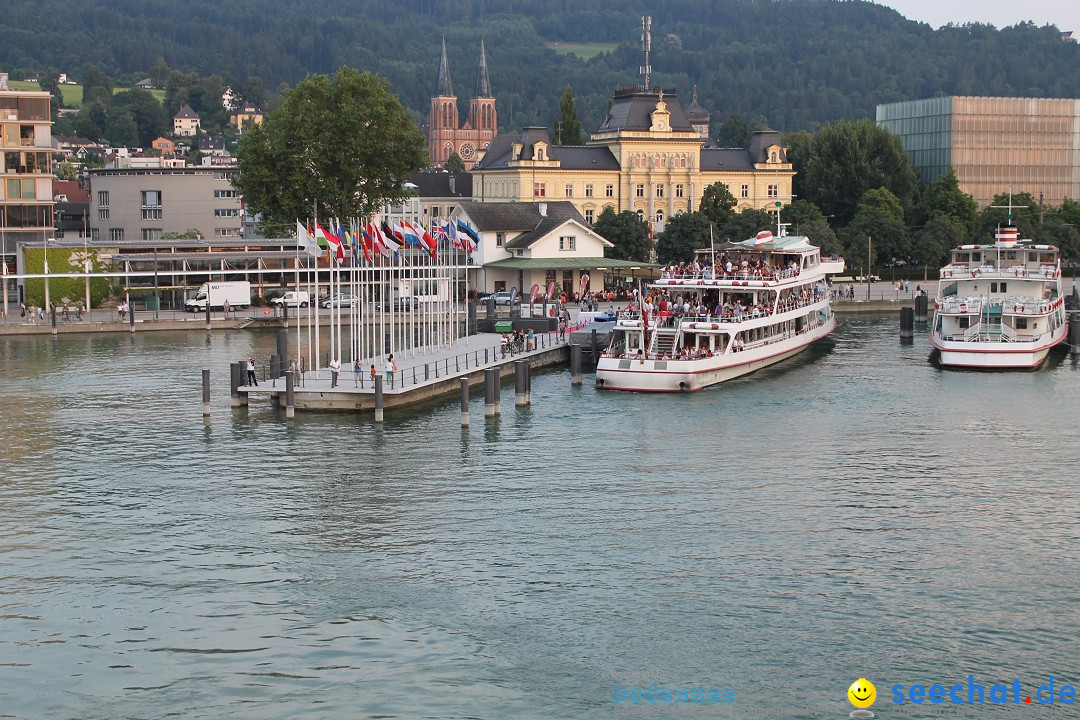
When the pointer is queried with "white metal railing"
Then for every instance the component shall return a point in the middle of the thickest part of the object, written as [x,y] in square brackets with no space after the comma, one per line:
[965,272]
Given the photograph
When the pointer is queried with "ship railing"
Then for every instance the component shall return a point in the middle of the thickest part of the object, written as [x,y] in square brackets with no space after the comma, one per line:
[749,274]
[963,272]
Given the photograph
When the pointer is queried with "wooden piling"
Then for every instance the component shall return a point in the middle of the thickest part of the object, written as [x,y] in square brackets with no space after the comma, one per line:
[206,393]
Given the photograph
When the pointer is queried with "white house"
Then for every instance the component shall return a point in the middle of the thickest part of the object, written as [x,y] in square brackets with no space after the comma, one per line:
[525,244]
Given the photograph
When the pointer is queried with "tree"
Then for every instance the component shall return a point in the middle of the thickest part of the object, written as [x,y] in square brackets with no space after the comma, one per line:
[121,129]
[718,204]
[941,234]
[1025,216]
[734,133]
[569,130]
[189,234]
[66,171]
[798,153]
[627,232]
[880,200]
[805,218]
[747,224]
[847,159]
[683,234]
[343,146]
[944,197]
[146,111]
[91,121]
[454,163]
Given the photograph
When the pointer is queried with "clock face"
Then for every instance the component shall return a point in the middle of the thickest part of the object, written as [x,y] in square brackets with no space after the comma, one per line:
[662,124]
[466,151]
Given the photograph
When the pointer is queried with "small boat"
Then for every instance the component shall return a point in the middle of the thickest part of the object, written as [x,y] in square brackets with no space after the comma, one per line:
[753,304]
[999,307]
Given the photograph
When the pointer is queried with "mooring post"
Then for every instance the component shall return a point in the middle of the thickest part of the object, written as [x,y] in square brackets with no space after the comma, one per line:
[378,399]
[907,323]
[207,311]
[52,318]
[1074,331]
[471,305]
[206,393]
[285,313]
[290,396]
[131,316]
[594,357]
[464,382]
[575,364]
[497,374]
[528,383]
[519,383]
[275,360]
[489,392]
[234,383]
[921,308]
[282,352]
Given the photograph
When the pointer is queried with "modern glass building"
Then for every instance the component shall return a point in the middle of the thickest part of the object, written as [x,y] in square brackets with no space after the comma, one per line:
[993,143]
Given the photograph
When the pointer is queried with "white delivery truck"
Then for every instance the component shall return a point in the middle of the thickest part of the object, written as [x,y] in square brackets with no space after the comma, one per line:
[237,293]
[293,298]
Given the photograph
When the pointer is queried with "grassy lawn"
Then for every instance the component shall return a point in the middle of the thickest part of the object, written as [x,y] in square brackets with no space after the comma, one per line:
[582,50]
[73,94]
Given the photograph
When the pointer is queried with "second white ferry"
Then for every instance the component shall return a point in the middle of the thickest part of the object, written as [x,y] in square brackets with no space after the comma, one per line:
[761,301]
[999,306]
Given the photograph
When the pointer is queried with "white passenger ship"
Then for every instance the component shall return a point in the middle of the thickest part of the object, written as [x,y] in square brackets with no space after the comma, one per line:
[999,306]
[767,300]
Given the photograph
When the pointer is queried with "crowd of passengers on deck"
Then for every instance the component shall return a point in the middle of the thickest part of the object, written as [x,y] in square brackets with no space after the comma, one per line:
[733,267]
[669,308]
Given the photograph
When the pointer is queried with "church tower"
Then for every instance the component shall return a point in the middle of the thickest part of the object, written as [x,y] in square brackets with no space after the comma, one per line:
[443,118]
[482,116]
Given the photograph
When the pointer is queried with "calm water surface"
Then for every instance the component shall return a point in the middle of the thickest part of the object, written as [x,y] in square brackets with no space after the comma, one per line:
[854,512]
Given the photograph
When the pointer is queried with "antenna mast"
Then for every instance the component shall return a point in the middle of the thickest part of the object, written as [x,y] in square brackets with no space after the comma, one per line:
[646,46]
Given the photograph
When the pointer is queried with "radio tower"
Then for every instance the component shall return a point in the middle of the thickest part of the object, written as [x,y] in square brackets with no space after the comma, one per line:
[646,45]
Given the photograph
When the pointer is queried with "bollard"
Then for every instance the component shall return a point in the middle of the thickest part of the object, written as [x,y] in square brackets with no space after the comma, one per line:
[206,393]
[489,392]
[290,396]
[52,318]
[907,323]
[464,382]
[520,367]
[378,399]
[235,370]
[208,314]
[528,383]
[575,364]
[496,373]
[921,308]
[131,317]
[282,352]
[1074,332]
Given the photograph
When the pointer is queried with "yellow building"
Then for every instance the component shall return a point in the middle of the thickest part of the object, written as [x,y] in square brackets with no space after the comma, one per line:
[647,157]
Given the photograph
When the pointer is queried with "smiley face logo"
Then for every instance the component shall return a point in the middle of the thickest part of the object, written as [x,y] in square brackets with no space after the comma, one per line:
[862,693]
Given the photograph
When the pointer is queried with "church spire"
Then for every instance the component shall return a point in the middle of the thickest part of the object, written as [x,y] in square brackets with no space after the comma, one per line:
[483,84]
[445,89]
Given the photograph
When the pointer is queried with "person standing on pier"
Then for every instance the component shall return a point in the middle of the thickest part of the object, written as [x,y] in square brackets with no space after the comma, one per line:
[391,368]
[358,373]
[251,379]
[335,366]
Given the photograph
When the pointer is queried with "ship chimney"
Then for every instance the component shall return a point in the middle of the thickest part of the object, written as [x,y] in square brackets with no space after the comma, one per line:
[1007,237]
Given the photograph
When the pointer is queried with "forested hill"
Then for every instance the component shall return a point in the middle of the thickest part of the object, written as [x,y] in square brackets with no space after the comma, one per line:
[798,63]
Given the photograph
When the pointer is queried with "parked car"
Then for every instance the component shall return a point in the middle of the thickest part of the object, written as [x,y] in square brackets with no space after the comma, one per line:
[400,303]
[862,278]
[501,298]
[340,300]
[293,298]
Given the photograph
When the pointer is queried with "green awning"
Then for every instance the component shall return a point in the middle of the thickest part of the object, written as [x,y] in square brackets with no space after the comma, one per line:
[569,263]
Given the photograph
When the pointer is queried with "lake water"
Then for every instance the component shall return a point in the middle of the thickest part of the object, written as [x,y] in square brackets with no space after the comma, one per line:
[854,512]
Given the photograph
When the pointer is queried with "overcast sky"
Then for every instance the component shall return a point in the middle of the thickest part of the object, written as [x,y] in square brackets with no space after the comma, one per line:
[1000,13]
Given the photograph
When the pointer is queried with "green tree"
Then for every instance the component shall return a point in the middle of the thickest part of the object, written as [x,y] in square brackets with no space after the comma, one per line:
[1025,216]
[91,121]
[66,171]
[882,201]
[121,129]
[847,159]
[454,163]
[889,236]
[683,234]
[145,110]
[569,128]
[189,234]
[627,232]
[736,132]
[747,224]
[343,145]
[933,243]
[805,218]
[798,146]
[718,204]
[159,72]
[944,197]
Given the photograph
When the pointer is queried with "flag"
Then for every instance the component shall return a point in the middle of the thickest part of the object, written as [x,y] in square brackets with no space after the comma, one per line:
[408,234]
[427,243]
[366,244]
[392,241]
[474,239]
[304,240]
[378,247]
[452,234]
[332,240]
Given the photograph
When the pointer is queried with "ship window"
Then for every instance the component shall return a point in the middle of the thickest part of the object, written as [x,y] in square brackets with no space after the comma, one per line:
[962,257]
[1004,287]
[1021,323]
[976,257]
[993,287]
[964,322]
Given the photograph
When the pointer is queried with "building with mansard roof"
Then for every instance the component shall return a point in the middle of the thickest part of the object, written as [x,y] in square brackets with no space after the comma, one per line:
[648,156]
[444,130]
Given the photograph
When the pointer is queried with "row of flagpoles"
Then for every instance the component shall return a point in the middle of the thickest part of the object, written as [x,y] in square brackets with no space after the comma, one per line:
[374,263]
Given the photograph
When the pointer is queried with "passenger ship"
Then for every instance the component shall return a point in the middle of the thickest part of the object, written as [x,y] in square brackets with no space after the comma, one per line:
[767,300]
[999,306]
